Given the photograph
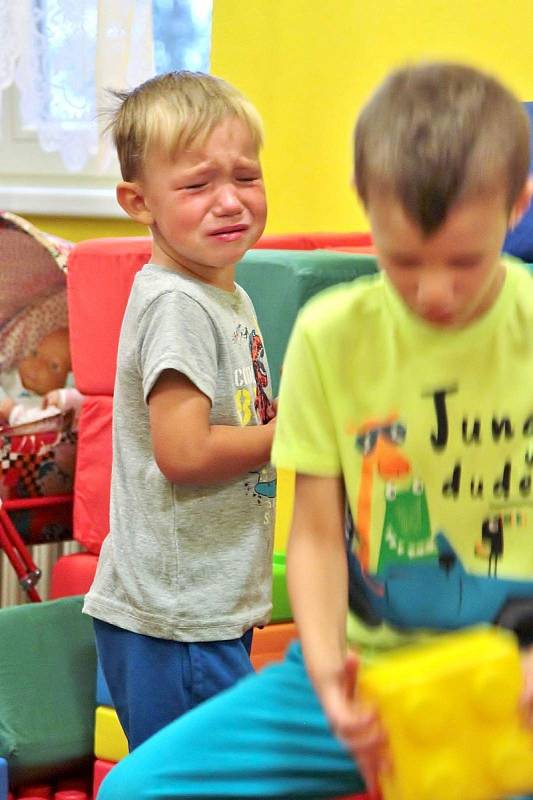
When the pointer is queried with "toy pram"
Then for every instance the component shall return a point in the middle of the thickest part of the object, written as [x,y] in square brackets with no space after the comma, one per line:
[37,458]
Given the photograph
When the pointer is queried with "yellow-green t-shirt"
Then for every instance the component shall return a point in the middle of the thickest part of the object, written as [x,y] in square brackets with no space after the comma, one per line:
[432,432]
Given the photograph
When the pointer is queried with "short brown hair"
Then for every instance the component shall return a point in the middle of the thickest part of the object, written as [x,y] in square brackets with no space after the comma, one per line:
[171,111]
[435,133]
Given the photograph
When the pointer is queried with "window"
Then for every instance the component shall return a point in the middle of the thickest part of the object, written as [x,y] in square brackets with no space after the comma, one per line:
[57,164]
[182,34]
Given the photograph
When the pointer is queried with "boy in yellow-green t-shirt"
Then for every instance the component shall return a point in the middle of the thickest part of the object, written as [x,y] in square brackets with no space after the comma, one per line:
[410,396]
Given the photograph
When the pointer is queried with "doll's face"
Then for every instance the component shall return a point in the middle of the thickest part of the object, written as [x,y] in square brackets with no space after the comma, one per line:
[48,367]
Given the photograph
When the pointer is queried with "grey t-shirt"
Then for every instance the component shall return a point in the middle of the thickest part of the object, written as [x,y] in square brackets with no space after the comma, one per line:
[190,563]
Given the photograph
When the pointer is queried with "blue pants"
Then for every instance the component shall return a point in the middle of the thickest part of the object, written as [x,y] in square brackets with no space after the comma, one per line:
[265,737]
[153,681]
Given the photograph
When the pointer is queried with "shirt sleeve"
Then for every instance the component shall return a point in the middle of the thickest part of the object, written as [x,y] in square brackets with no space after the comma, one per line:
[305,439]
[176,332]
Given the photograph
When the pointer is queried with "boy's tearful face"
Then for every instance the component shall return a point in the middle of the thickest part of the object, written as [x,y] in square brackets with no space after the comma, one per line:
[207,204]
[452,276]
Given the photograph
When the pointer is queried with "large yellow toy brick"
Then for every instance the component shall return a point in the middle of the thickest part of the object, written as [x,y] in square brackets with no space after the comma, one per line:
[450,709]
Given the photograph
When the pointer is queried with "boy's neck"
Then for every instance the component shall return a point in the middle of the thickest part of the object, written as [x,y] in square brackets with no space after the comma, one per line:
[219,277]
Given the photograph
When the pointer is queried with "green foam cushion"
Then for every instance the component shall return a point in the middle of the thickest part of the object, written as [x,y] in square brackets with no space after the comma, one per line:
[47,689]
[281,607]
[281,281]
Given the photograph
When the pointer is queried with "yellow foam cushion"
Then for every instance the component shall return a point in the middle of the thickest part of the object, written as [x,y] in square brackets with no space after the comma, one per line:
[110,743]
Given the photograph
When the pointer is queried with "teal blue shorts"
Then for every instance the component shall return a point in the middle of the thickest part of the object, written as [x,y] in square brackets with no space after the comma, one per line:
[265,737]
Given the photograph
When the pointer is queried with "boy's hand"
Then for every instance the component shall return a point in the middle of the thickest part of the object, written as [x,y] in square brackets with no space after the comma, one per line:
[356,725]
[526,700]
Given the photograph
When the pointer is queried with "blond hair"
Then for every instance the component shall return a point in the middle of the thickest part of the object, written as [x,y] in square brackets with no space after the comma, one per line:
[435,133]
[170,111]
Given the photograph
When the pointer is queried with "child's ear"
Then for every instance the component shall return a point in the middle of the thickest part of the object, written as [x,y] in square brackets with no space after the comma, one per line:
[130,197]
[521,204]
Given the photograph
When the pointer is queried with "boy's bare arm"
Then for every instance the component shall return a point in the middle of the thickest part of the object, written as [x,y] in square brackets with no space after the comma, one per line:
[317,573]
[187,448]
[318,585]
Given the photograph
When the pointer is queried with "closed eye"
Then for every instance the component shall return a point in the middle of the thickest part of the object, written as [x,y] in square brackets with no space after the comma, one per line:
[403,261]
[465,263]
[406,264]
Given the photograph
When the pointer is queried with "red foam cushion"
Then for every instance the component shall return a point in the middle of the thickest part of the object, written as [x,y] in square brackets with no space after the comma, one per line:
[100,274]
[313,241]
[72,575]
[350,248]
[93,473]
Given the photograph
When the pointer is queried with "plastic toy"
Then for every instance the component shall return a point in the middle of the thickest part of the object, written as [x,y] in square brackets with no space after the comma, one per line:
[450,709]
[43,790]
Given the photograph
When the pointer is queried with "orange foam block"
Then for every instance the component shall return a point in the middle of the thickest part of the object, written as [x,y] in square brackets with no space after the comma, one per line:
[270,643]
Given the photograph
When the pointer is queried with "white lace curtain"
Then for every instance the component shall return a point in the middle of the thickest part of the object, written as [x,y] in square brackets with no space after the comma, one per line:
[63,55]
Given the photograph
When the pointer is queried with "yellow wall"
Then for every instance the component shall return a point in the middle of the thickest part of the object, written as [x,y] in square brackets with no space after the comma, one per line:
[75,229]
[308,65]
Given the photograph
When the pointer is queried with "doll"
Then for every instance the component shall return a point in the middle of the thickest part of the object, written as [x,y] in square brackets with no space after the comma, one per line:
[36,389]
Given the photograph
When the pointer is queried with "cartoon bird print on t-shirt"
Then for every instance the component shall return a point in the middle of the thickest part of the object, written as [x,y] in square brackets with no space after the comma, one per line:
[406,528]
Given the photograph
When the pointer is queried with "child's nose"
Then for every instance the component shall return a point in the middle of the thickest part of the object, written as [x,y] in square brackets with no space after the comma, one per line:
[434,290]
[228,200]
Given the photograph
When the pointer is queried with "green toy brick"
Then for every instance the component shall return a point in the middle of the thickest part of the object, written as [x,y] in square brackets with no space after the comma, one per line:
[281,611]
